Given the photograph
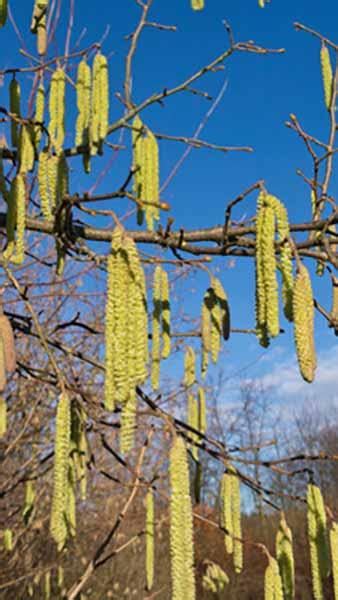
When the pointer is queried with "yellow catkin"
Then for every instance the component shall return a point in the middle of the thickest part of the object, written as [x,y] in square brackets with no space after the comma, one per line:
[272,581]
[303,314]
[226,511]
[60,577]
[327,75]
[236,522]
[3,185]
[126,339]
[47,586]
[3,12]
[150,539]
[156,328]
[138,164]
[215,579]
[151,183]
[8,540]
[197,4]
[205,332]
[71,499]
[19,198]
[39,113]
[269,271]
[189,367]
[128,423]
[3,416]
[318,539]
[285,264]
[216,316]
[29,502]
[223,313]
[181,525]
[57,109]
[193,421]
[83,98]
[39,24]
[10,223]
[260,306]
[285,559]
[14,107]
[334,557]
[100,102]
[58,523]
[7,335]
[44,188]
[202,411]
[26,149]
[165,298]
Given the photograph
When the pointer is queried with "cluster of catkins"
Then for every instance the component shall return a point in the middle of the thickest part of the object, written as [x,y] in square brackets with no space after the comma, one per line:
[146,174]
[297,293]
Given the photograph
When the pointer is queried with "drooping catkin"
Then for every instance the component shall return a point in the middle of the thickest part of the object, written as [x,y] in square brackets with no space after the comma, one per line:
[128,423]
[39,24]
[269,271]
[138,162]
[205,332]
[156,329]
[29,501]
[236,522]
[14,107]
[285,264]
[100,103]
[26,149]
[71,499]
[150,538]
[318,539]
[126,339]
[215,579]
[226,521]
[327,75]
[79,449]
[272,581]
[7,335]
[83,99]
[8,540]
[3,12]
[47,585]
[19,199]
[10,224]
[146,173]
[181,524]
[303,315]
[193,421]
[57,109]
[285,559]
[39,113]
[197,4]
[58,523]
[334,557]
[202,411]
[189,367]
[3,416]
[166,330]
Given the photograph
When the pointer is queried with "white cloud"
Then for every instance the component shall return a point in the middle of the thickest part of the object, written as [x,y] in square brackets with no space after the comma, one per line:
[285,379]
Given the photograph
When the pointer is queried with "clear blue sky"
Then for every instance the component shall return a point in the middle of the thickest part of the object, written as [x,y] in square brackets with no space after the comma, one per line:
[262,91]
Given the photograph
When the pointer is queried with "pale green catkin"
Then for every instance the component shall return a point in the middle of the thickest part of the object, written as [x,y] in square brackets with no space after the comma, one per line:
[285,559]
[226,521]
[19,199]
[3,416]
[150,538]
[193,421]
[39,113]
[181,525]
[138,164]
[202,411]
[334,557]
[205,333]
[10,223]
[327,75]
[8,540]
[272,581]
[189,367]
[236,522]
[29,501]
[14,107]
[83,96]
[26,149]
[58,523]
[318,539]
[48,585]
[100,103]
[156,328]
[3,12]
[303,316]
[57,109]
[165,299]
[128,423]
[71,499]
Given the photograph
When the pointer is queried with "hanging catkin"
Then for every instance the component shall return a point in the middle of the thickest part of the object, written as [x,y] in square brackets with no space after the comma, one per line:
[26,149]
[205,332]
[303,315]
[3,12]
[14,107]
[18,193]
[126,339]
[146,176]
[71,499]
[58,524]
[47,594]
[189,367]
[165,299]
[39,113]
[156,328]
[10,223]
[181,525]
[236,522]
[7,335]
[327,75]
[285,265]
[3,416]
[226,521]
[193,421]
[83,99]
[197,4]
[57,109]
[272,581]
[39,24]
[29,501]
[284,555]
[8,540]
[138,162]
[318,539]
[334,557]
[100,103]
[150,538]
[202,411]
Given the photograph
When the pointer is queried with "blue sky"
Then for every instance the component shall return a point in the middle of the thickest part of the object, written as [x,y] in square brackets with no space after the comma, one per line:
[261,93]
